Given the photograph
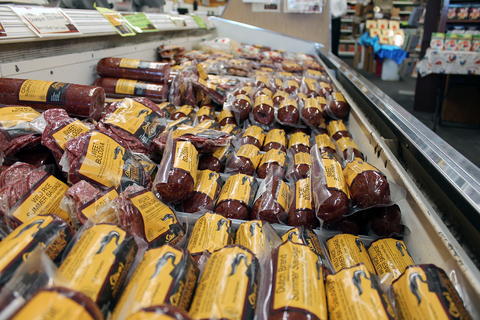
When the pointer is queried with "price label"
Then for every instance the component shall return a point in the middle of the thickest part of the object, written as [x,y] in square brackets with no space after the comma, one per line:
[117,21]
[139,22]
[178,21]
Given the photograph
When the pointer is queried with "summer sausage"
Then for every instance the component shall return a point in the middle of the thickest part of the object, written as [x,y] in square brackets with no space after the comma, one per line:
[253,135]
[288,112]
[206,190]
[243,105]
[311,112]
[245,160]
[78,100]
[121,88]
[272,160]
[134,69]
[301,211]
[299,142]
[236,197]
[275,140]
[272,201]
[263,111]
[338,107]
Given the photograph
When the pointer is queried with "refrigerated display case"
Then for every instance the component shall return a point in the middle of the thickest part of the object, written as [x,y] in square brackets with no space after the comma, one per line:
[442,203]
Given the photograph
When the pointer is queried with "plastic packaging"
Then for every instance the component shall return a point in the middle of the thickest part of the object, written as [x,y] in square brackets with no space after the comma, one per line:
[298,165]
[236,198]
[263,112]
[245,159]
[390,256]
[159,313]
[275,139]
[134,69]
[252,135]
[205,192]
[385,222]
[272,160]
[299,142]
[311,112]
[302,209]
[346,251]
[337,106]
[124,88]
[259,237]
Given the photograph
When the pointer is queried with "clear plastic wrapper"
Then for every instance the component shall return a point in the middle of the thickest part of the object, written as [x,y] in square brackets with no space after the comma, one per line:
[324,143]
[205,193]
[279,96]
[261,91]
[299,142]
[177,172]
[226,117]
[252,134]
[326,89]
[291,86]
[178,87]
[298,165]
[275,139]
[236,198]
[215,161]
[276,84]
[263,112]
[245,90]
[309,87]
[48,232]
[227,268]
[302,209]
[346,250]
[272,199]
[183,111]
[171,51]
[272,160]
[217,93]
[205,113]
[311,64]
[337,130]
[241,105]
[291,66]
[356,293]
[390,256]
[160,312]
[245,159]
[98,158]
[311,112]
[225,45]
[314,74]
[124,88]
[259,237]
[337,106]
[15,131]
[134,69]
[165,276]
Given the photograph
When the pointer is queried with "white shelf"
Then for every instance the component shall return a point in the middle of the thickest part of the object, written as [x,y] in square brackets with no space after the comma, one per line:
[346,31]
[346,53]
[346,20]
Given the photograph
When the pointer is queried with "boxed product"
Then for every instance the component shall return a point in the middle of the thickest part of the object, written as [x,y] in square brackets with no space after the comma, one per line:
[394,25]
[451,42]
[463,12]
[464,42]
[375,32]
[384,39]
[371,24]
[399,38]
[476,43]
[382,24]
[437,41]
[474,12]
[452,13]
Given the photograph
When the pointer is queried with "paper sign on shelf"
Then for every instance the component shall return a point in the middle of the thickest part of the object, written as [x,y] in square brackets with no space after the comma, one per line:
[3,33]
[116,21]
[139,22]
[44,21]
[178,21]
[201,23]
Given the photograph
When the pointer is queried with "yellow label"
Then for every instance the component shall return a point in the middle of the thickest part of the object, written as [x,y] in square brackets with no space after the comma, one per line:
[390,256]
[303,194]
[285,74]
[298,281]
[290,64]
[292,83]
[13,116]
[90,208]
[204,111]
[302,158]
[225,113]
[152,280]
[186,110]
[274,155]
[186,157]
[280,94]
[43,198]
[149,315]
[167,106]
[69,131]
[354,168]
[175,124]
[266,69]
[220,153]
[125,86]
[51,305]
[244,97]
[207,183]
[156,216]
[312,103]
[20,238]
[339,96]
[34,90]
[279,83]
[311,84]
[283,195]
[207,84]
[88,265]
[129,63]
[302,96]
[237,188]
[202,72]
[248,90]
[263,99]
[224,288]
[314,72]
[288,102]
[262,79]
[334,175]
[336,126]
[323,141]
[276,135]
[207,124]
[347,142]
[293,235]
[255,132]
[104,162]
[325,85]
[250,152]
[347,250]
[299,138]
[211,232]
[323,101]
[350,296]
[250,235]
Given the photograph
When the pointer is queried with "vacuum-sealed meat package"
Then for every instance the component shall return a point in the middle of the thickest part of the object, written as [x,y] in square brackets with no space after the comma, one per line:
[134,69]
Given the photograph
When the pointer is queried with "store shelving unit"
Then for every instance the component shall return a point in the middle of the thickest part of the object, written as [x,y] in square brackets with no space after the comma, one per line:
[347,37]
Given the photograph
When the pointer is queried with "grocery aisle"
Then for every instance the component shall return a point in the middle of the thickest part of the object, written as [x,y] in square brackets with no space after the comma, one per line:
[464,140]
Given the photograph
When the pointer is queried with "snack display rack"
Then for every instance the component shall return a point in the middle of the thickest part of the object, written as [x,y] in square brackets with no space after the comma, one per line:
[442,186]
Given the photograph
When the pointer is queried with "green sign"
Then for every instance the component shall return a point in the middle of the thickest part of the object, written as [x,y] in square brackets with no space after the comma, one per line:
[116,21]
[139,22]
[201,23]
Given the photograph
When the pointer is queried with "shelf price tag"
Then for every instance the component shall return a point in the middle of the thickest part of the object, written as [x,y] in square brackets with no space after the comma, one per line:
[44,21]
[178,21]
[201,23]
[116,21]
[139,22]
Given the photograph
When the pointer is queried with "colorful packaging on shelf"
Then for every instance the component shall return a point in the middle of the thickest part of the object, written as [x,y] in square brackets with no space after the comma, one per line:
[451,42]
[476,43]
[437,41]
[464,42]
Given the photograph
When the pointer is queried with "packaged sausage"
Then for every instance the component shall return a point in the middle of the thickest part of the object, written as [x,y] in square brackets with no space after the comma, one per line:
[385,222]
[275,139]
[347,250]
[236,197]
[272,199]
[138,210]
[226,117]
[338,107]
[302,209]
[82,200]
[302,235]
[49,232]
[424,291]
[390,256]
[162,312]
[134,69]
[98,158]
[279,96]
[165,276]
[291,66]
[167,108]
[15,130]
[332,197]
[59,303]
[211,232]
[313,74]
[205,113]
[77,100]
[276,84]
[324,143]
[309,87]
[325,89]
[337,129]
[263,112]
[311,112]
[124,88]
[272,160]
[205,192]
[348,149]
[368,186]
[257,236]
[207,124]
[291,86]
[178,123]
[177,172]
[253,135]
[298,165]
[98,263]
[355,293]
[260,82]
[183,111]
[227,268]
[241,105]
[287,112]
[246,90]
[26,192]
[299,142]
[297,288]
[245,159]
[216,92]
[215,161]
